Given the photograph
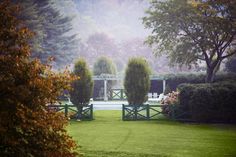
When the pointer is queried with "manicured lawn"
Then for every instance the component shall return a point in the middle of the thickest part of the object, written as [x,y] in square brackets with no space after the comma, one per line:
[109,136]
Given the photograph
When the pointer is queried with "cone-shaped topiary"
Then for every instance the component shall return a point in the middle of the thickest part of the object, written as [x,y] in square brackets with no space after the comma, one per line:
[83,86]
[137,81]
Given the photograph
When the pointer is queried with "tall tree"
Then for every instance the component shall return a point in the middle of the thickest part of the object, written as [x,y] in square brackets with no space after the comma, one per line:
[189,31]
[30,15]
[27,127]
[53,36]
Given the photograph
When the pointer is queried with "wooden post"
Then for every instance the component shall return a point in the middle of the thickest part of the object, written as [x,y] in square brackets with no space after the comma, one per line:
[123,112]
[66,110]
[121,94]
[148,111]
[91,112]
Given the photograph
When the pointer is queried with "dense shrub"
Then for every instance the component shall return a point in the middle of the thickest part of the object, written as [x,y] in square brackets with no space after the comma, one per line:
[137,81]
[27,127]
[82,86]
[229,76]
[209,102]
[173,80]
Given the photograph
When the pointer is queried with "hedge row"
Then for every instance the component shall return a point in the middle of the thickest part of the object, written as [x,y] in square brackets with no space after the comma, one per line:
[209,102]
[173,80]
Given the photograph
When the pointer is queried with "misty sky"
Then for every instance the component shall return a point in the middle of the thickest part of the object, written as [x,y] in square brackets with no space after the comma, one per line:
[120,19]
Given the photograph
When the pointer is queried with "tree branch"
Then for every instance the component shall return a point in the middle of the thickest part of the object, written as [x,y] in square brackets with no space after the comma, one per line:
[227,43]
[206,57]
[200,58]
[228,55]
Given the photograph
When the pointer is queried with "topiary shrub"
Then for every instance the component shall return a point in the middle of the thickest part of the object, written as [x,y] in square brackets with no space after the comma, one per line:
[82,86]
[137,81]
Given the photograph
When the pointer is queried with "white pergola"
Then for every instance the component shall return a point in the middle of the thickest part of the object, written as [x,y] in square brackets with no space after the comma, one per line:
[108,77]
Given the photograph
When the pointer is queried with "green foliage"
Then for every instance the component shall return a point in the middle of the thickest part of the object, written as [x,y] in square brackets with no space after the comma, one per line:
[209,102]
[189,31]
[52,31]
[30,15]
[82,86]
[137,81]
[27,127]
[104,65]
[173,80]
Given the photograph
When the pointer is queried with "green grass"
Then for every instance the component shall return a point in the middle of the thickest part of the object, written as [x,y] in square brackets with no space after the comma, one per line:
[109,136]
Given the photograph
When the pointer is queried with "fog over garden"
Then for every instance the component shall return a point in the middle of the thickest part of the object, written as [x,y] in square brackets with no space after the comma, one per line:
[117,78]
[113,28]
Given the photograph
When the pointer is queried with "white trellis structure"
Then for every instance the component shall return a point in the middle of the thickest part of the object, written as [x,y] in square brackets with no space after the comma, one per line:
[109,77]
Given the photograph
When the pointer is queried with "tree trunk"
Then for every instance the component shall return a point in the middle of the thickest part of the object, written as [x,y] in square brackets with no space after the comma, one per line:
[211,71]
[210,74]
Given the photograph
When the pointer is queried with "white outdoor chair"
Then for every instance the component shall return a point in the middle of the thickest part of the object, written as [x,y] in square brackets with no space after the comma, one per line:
[161,97]
[149,95]
[155,95]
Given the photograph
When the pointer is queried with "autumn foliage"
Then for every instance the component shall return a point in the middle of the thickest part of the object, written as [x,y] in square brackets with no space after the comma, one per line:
[27,128]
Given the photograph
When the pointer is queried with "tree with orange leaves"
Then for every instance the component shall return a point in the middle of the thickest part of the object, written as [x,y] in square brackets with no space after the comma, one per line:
[27,128]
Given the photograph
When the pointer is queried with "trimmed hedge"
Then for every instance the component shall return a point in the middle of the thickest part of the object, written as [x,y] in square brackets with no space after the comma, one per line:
[209,102]
[173,80]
